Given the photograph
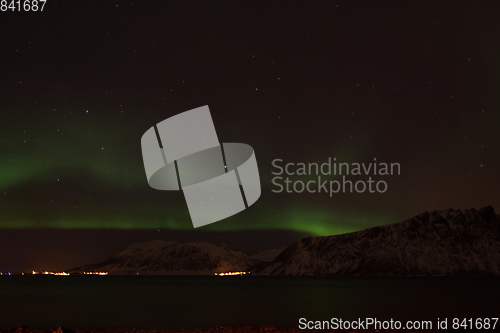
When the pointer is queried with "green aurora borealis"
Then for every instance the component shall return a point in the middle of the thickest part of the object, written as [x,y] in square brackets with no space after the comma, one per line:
[80,175]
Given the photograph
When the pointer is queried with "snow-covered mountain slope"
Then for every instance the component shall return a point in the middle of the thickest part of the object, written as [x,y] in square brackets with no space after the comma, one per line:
[174,258]
[451,242]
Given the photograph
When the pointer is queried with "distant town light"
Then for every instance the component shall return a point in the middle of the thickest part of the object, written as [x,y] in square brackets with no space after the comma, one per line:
[66,274]
[49,273]
[231,273]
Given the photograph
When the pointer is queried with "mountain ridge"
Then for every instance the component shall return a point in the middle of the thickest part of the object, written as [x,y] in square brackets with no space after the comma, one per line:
[450,242]
[160,257]
[437,243]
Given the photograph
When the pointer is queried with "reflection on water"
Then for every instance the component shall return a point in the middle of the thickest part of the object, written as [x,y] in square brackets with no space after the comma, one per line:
[202,302]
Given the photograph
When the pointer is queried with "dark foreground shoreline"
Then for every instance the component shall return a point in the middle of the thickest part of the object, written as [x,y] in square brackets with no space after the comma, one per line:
[216,329]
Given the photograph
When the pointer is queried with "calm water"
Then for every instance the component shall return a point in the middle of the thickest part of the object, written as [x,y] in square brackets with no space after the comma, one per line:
[202,302]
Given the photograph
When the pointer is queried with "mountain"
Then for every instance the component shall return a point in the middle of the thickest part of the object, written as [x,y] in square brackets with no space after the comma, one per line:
[268,255]
[451,242]
[175,258]
[438,243]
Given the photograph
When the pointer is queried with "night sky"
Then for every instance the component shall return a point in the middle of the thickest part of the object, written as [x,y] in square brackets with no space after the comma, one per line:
[414,83]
